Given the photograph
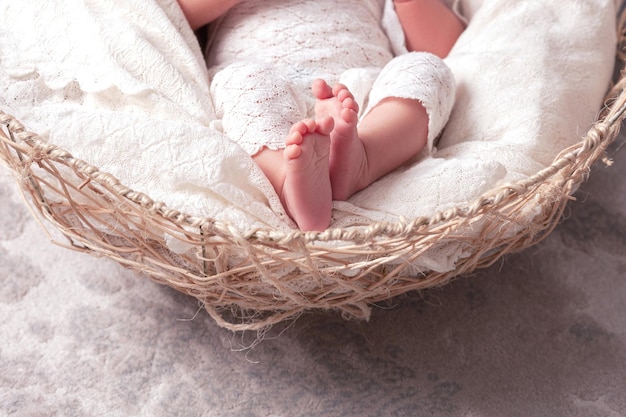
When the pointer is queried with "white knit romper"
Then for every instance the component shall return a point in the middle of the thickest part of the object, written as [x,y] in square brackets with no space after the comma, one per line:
[265,54]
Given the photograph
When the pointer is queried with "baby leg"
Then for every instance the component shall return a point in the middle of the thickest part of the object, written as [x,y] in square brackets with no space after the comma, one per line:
[391,133]
[300,173]
[410,102]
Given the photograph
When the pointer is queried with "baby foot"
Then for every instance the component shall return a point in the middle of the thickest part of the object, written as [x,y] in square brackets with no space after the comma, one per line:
[348,159]
[306,193]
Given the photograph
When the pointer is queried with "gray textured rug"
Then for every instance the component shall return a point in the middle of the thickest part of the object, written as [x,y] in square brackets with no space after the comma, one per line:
[542,333]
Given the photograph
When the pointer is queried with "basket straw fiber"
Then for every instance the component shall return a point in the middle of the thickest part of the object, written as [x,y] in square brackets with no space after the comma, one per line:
[251,281]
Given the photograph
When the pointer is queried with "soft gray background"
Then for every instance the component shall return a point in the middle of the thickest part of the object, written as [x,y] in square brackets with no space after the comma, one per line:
[541,333]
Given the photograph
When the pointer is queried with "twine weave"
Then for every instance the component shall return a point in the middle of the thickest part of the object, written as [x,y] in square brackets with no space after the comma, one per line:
[249,281]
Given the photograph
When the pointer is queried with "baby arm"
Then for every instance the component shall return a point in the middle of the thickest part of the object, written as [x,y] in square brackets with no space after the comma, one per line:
[201,12]
[429,25]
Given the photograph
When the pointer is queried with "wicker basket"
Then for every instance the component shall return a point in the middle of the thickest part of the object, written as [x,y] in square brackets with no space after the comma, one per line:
[264,277]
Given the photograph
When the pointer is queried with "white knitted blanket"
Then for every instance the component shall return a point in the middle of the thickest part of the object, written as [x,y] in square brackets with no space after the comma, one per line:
[124,86]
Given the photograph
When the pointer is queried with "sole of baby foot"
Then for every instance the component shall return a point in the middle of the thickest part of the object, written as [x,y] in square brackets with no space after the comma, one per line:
[306,192]
[348,158]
